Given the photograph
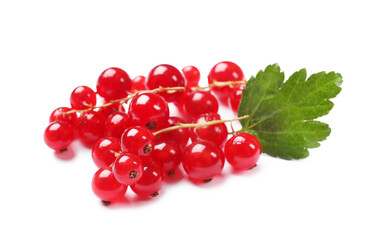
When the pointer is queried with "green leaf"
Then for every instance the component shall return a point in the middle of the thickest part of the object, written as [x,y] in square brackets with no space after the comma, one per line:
[282,113]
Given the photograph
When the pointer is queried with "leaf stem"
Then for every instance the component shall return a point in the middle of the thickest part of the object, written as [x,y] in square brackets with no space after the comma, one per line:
[192,125]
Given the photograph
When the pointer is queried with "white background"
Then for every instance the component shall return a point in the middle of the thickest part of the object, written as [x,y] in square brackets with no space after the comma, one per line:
[47,48]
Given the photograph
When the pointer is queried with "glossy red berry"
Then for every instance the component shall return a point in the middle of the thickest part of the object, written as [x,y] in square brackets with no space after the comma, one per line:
[82,97]
[199,102]
[105,151]
[58,135]
[91,127]
[60,115]
[168,155]
[179,136]
[149,110]
[216,133]
[138,83]
[106,187]
[242,151]
[116,123]
[127,169]
[203,160]
[114,83]
[166,76]
[180,102]
[224,72]
[110,109]
[151,181]
[235,97]
[192,76]
[138,141]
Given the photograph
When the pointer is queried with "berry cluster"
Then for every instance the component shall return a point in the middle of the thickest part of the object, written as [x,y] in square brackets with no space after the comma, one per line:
[142,146]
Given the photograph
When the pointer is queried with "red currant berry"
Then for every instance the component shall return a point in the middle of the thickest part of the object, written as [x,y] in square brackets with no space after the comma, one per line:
[179,136]
[138,84]
[114,83]
[149,110]
[224,72]
[105,151]
[59,135]
[116,123]
[83,97]
[199,102]
[168,155]
[192,76]
[60,115]
[216,133]
[235,97]
[180,102]
[242,151]
[203,160]
[166,76]
[110,109]
[106,187]
[151,181]
[91,127]
[127,169]
[138,141]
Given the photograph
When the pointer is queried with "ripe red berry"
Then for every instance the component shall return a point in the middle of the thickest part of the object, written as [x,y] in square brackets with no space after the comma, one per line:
[151,181]
[223,72]
[114,83]
[110,109]
[138,84]
[180,102]
[168,155]
[199,102]
[60,115]
[149,110]
[216,133]
[82,97]
[91,127]
[58,135]
[166,76]
[235,97]
[242,151]
[105,151]
[192,76]
[127,169]
[106,187]
[116,123]
[203,160]
[138,141]
[179,136]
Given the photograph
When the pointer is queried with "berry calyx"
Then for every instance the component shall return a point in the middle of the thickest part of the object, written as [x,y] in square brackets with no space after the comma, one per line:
[168,155]
[116,123]
[82,98]
[106,187]
[223,72]
[149,110]
[138,141]
[216,133]
[192,76]
[127,169]
[165,75]
[203,160]
[151,181]
[105,151]
[199,102]
[114,83]
[58,135]
[242,151]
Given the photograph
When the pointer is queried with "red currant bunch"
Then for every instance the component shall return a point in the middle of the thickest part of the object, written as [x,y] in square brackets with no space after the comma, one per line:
[137,149]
